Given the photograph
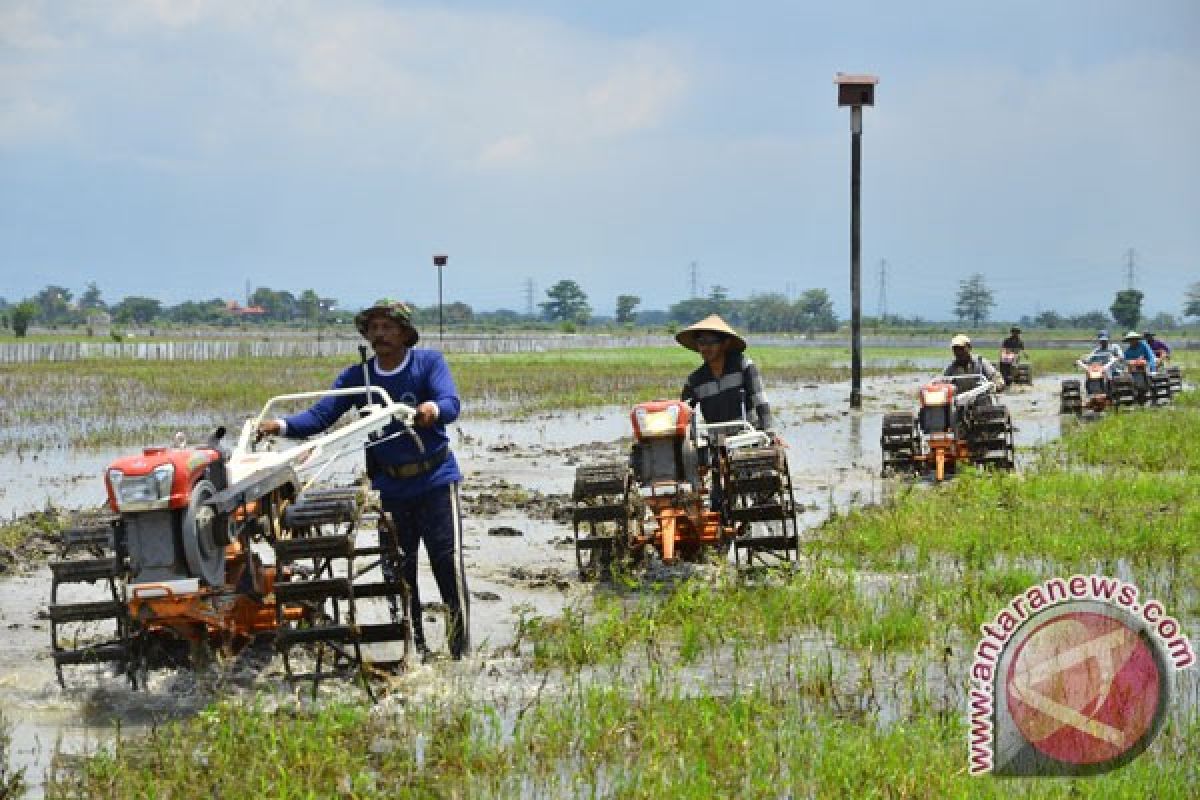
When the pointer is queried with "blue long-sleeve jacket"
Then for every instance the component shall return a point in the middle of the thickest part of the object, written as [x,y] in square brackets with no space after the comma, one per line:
[424,375]
[1142,350]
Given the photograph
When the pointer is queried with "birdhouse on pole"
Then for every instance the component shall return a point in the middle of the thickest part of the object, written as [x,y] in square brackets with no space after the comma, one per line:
[856,90]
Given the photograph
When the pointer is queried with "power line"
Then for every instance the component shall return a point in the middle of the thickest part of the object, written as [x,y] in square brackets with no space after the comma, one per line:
[1130,267]
[882,288]
[529,297]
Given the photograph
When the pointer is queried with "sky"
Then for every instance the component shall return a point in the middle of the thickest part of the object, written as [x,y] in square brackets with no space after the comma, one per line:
[184,149]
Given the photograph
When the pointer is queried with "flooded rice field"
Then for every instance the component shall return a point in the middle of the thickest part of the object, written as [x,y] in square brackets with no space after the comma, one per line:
[519,553]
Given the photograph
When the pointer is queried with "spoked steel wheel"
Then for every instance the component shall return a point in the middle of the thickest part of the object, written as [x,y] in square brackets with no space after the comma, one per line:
[1071,397]
[89,618]
[990,437]
[761,505]
[341,605]
[900,443]
[600,516]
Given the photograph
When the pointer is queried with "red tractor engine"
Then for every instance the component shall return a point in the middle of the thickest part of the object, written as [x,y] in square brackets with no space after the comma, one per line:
[169,534]
[662,498]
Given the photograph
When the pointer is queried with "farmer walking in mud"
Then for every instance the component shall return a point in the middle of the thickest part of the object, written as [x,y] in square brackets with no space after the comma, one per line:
[418,487]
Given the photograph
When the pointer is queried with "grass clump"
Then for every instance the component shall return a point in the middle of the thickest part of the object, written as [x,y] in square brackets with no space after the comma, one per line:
[1150,439]
[637,741]
[1052,513]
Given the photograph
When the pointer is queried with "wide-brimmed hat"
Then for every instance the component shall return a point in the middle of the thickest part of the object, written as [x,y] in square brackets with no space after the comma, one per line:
[394,310]
[1132,335]
[961,340]
[710,324]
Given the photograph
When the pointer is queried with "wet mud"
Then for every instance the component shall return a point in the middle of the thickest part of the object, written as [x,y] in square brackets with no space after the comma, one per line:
[518,549]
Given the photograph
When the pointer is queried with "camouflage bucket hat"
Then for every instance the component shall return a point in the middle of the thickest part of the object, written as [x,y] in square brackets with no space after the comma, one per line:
[395,310]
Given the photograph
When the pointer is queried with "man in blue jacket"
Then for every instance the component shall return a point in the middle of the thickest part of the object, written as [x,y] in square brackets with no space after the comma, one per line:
[1136,348]
[418,487]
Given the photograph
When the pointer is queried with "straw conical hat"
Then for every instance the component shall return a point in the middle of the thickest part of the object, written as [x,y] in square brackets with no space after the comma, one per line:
[710,324]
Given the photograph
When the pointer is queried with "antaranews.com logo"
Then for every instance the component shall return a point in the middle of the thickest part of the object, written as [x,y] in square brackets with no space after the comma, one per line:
[1073,677]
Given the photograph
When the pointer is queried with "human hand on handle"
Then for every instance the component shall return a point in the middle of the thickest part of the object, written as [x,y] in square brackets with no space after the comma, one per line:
[268,427]
[427,414]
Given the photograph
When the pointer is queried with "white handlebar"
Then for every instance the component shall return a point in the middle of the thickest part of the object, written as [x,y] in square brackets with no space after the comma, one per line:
[320,451]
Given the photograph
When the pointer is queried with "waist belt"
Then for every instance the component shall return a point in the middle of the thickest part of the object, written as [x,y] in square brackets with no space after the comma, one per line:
[415,468]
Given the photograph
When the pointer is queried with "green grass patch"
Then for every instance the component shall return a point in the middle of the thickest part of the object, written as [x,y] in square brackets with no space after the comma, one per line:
[1059,514]
[102,402]
[594,741]
[1151,439]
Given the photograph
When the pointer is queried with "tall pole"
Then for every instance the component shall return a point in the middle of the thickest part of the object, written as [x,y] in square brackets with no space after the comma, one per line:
[855,258]
[439,261]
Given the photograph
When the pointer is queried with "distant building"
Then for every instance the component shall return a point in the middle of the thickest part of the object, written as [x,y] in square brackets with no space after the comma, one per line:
[244,312]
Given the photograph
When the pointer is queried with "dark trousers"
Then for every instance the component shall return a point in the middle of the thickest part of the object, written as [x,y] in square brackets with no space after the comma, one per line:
[435,519]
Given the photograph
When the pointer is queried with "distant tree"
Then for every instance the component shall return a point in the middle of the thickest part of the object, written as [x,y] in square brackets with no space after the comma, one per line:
[1127,308]
[207,312]
[22,314]
[975,300]
[90,299]
[137,310]
[1091,319]
[458,313]
[1191,308]
[1049,320]
[567,303]
[654,316]
[816,311]
[54,304]
[695,309]
[1162,321]
[280,306]
[309,305]
[626,303]
[501,318]
[769,312]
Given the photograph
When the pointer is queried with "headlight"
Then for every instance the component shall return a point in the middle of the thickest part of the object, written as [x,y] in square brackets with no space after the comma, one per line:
[935,397]
[142,491]
[658,423]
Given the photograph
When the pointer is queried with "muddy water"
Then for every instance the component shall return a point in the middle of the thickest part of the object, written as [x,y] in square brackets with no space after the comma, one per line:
[834,458]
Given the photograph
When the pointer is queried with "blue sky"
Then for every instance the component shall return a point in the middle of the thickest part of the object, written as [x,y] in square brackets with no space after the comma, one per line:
[180,148]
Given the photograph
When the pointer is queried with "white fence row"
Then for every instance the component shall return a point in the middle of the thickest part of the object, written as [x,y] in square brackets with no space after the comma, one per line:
[209,350]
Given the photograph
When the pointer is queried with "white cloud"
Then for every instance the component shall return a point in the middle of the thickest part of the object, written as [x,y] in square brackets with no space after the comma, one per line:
[347,81]
[507,151]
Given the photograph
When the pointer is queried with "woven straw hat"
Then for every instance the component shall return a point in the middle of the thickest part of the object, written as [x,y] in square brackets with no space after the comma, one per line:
[710,324]
[394,310]
[961,340]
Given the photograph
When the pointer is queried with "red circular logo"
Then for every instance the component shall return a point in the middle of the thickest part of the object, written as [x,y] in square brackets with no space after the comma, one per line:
[1084,688]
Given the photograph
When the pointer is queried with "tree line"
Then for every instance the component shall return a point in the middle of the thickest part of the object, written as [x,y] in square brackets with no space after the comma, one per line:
[566,307]
[975,301]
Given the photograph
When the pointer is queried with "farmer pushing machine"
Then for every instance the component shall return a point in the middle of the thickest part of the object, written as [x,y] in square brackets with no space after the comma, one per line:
[689,486]
[208,549]
[958,420]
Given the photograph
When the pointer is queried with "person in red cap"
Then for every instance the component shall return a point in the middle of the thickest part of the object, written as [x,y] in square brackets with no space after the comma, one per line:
[418,486]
